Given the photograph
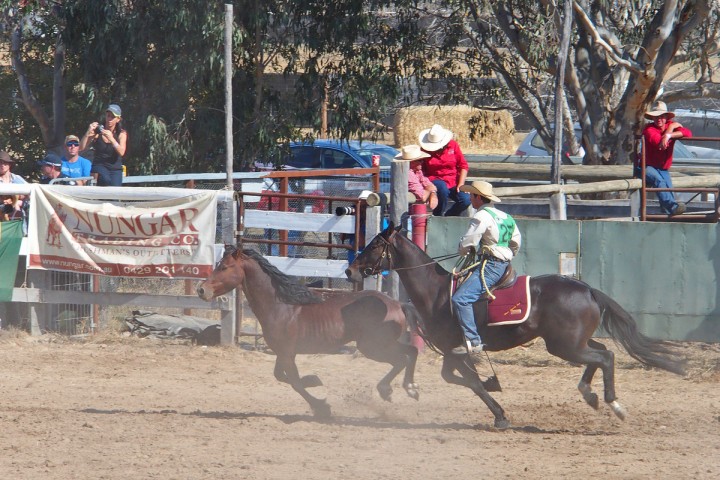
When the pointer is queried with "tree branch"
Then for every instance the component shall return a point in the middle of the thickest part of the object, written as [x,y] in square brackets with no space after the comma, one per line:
[28,97]
[587,23]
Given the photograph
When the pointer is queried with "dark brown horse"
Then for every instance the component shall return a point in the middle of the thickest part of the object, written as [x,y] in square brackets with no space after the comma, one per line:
[565,313]
[295,320]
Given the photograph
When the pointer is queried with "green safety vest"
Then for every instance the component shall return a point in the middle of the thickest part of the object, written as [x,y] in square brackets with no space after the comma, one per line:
[506,227]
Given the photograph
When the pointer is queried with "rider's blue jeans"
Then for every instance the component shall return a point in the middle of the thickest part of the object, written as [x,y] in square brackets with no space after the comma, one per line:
[471,291]
[659,178]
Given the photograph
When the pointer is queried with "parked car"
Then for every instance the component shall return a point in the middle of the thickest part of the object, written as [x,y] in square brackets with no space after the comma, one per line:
[334,154]
[533,146]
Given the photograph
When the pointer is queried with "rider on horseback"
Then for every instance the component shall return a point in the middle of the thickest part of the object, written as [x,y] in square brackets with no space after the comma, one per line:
[496,237]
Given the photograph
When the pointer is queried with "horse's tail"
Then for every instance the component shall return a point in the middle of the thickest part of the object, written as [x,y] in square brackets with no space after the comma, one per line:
[622,328]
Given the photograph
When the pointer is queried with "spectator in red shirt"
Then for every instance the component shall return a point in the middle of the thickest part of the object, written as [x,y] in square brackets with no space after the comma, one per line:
[660,137]
[446,168]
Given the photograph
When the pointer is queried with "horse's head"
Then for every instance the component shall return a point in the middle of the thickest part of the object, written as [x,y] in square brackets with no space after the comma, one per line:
[375,258]
[227,275]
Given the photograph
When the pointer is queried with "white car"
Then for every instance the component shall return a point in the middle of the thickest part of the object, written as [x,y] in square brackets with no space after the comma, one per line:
[533,146]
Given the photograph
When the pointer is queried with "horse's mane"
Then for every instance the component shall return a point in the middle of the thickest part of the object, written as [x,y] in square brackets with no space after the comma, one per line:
[288,290]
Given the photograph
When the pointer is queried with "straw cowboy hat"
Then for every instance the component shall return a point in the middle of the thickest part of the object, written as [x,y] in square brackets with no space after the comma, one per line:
[658,109]
[434,138]
[408,153]
[484,189]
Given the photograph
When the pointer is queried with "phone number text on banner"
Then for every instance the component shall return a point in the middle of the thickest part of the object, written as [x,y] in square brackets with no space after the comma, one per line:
[169,238]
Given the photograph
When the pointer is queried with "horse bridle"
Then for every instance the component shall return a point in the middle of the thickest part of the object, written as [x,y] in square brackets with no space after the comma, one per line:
[386,256]
[378,267]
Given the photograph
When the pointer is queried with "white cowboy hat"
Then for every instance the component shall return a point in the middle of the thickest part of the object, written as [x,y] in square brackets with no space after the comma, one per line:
[658,109]
[434,138]
[484,189]
[408,153]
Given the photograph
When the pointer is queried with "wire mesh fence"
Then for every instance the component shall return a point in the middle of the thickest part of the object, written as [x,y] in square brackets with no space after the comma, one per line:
[83,319]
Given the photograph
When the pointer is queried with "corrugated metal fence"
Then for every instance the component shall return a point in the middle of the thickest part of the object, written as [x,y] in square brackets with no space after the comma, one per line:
[664,274]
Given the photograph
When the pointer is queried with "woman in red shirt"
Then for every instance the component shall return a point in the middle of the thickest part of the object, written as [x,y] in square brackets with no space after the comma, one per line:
[446,168]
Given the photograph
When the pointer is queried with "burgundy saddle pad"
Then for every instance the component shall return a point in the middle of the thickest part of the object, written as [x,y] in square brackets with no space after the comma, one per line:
[511,305]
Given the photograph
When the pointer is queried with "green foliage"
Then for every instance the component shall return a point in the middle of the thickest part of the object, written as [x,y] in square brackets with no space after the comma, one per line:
[163,63]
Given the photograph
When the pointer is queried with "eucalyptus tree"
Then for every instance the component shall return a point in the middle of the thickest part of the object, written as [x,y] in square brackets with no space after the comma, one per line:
[32,115]
[620,56]
[162,62]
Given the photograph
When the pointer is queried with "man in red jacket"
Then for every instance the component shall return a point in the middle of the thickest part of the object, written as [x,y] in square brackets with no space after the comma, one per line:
[660,137]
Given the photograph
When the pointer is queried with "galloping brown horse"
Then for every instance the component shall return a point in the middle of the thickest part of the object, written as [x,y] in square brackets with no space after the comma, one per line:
[565,313]
[295,320]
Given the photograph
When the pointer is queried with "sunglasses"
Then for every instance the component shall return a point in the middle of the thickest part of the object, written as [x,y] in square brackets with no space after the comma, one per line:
[72,144]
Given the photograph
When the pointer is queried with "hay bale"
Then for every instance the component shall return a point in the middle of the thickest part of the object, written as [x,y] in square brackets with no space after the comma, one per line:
[477,131]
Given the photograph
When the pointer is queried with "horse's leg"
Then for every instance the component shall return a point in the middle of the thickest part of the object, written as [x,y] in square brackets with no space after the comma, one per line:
[307,381]
[286,364]
[411,388]
[469,378]
[595,355]
[585,385]
[492,384]
[400,356]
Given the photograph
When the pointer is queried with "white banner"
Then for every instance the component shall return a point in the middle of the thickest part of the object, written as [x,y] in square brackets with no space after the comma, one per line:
[169,238]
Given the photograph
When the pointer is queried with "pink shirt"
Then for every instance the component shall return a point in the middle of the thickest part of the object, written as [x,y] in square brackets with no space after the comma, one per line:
[446,164]
[417,182]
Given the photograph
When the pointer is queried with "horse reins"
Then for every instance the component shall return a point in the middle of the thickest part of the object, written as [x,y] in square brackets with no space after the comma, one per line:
[377,268]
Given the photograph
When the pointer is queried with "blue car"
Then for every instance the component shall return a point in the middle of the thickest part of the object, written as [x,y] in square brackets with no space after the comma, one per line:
[340,154]
[334,154]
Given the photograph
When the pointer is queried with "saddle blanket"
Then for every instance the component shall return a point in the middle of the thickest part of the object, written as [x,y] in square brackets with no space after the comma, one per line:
[511,305]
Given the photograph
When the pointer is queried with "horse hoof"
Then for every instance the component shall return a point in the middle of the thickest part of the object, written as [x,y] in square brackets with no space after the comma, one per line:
[413,391]
[385,393]
[589,397]
[492,384]
[502,423]
[618,410]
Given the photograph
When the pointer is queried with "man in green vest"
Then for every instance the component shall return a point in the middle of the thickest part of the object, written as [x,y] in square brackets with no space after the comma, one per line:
[495,237]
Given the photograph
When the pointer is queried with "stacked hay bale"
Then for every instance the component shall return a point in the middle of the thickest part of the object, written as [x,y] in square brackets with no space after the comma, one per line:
[477,131]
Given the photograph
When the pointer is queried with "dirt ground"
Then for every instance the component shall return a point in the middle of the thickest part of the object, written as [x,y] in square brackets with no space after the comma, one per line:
[119,408]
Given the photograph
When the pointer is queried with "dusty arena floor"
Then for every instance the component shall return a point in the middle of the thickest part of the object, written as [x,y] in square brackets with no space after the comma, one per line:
[120,408]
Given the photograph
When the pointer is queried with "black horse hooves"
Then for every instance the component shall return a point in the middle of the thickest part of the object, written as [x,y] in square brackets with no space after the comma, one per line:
[385,392]
[502,423]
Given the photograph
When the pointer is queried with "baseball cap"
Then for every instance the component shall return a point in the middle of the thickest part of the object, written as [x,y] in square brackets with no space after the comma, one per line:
[72,138]
[51,159]
[114,109]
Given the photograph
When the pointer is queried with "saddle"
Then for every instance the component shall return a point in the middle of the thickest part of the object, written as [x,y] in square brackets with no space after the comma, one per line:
[507,280]
[511,304]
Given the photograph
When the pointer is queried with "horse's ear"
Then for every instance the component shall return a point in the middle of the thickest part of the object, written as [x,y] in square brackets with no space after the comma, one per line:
[403,220]
[390,227]
[229,250]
